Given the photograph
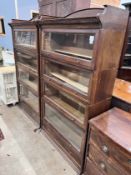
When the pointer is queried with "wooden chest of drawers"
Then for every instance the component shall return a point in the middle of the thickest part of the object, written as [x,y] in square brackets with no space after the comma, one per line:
[78,72]
[109,144]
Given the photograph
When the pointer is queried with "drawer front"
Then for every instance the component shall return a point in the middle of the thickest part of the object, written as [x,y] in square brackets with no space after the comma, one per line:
[110,149]
[106,165]
[91,168]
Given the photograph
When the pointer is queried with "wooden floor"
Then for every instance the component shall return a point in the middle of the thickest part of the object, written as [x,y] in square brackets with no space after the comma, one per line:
[25,152]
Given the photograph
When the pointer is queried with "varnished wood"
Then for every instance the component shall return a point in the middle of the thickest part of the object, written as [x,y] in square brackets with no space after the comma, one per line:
[122,90]
[100,140]
[31,25]
[115,123]
[106,165]
[122,95]
[103,69]
[68,59]
[91,168]
[103,66]
[23,25]
[109,143]
[59,85]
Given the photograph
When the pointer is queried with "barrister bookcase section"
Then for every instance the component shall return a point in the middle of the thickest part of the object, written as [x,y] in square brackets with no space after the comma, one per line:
[80,57]
[25,40]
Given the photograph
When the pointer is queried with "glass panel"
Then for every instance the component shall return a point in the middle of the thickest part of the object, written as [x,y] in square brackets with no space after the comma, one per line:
[27,60]
[29,79]
[73,78]
[127,58]
[69,131]
[29,98]
[25,38]
[72,44]
[70,104]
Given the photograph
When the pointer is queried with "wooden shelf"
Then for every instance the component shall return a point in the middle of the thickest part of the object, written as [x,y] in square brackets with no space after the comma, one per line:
[70,116]
[31,86]
[71,82]
[77,115]
[27,68]
[26,45]
[71,53]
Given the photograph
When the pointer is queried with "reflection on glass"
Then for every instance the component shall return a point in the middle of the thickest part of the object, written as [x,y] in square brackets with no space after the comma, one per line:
[25,38]
[78,45]
[27,60]
[67,129]
[29,79]
[67,102]
[127,58]
[73,78]
[29,98]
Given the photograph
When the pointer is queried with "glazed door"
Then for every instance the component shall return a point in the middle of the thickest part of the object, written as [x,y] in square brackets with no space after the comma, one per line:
[76,47]
[26,38]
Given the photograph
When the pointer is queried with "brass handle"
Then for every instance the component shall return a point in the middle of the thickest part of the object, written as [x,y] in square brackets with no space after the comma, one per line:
[105,149]
[103,166]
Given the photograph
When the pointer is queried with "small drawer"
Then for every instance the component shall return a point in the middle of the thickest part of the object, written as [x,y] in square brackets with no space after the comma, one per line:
[106,165]
[111,149]
[91,168]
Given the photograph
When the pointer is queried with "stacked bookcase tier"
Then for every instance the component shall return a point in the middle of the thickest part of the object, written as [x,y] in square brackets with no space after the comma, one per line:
[79,65]
[25,38]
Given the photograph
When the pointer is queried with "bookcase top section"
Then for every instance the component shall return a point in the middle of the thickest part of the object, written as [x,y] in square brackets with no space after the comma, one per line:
[32,22]
[108,17]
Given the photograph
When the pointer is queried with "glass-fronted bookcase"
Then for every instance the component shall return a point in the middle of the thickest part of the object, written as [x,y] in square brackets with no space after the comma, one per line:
[66,68]
[26,48]
[80,57]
